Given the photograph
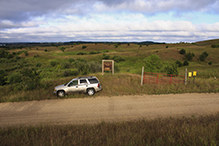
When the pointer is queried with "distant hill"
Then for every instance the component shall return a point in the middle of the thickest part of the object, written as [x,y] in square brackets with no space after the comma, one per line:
[208,42]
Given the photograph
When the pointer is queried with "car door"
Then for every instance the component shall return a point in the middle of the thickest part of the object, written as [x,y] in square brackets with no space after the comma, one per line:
[82,86]
[72,87]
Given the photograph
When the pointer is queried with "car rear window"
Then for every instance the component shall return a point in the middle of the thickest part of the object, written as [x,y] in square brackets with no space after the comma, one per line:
[92,81]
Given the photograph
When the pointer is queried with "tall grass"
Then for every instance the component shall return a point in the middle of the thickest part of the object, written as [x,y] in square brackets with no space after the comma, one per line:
[170,131]
[113,85]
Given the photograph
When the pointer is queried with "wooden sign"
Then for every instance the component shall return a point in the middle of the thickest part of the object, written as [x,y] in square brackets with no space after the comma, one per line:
[108,65]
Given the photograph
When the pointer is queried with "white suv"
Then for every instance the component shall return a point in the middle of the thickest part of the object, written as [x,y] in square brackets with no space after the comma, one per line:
[88,85]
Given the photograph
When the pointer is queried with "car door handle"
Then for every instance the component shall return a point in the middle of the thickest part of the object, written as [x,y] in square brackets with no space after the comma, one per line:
[76,86]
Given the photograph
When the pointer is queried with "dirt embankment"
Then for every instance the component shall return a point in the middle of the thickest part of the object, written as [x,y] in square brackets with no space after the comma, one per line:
[109,109]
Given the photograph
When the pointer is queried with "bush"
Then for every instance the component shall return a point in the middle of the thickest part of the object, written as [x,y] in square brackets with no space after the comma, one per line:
[66,65]
[83,47]
[53,63]
[105,56]
[189,56]
[167,46]
[153,63]
[95,67]
[62,49]
[46,50]
[81,53]
[70,72]
[210,63]
[172,69]
[203,56]
[215,46]
[94,52]
[179,63]
[182,51]
[26,53]
[2,77]
[38,64]
[70,60]
[118,59]
[3,54]
[14,78]
[185,63]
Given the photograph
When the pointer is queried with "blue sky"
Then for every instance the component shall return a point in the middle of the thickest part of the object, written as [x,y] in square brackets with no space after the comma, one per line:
[168,21]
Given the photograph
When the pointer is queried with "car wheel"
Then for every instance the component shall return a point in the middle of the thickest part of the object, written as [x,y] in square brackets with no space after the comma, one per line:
[61,93]
[90,92]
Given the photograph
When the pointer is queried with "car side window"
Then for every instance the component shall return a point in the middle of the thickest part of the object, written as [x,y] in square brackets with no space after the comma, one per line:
[74,83]
[83,81]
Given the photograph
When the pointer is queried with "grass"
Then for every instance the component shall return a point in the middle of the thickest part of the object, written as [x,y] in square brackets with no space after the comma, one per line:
[192,130]
[113,85]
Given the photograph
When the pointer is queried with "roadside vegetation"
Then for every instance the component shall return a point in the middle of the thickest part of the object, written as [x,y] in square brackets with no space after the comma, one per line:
[192,130]
[31,73]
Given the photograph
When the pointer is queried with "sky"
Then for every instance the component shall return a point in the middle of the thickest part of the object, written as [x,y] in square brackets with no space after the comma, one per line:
[169,21]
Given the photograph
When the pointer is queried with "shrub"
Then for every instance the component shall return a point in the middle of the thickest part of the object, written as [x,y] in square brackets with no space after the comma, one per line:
[2,77]
[179,63]
[116,45]
[189,56]
[26,53]
[62,49]
[172,69]
[53,63]
[81,53]
[105,56]
[66,65]
[118,59]
[215,46]
[153,63]
[38,64]
[3,54]
[70,72]
[94,52]
[167,46]
[203,56]
[185,63]
[210,63]
[70,60]
[95,67]
[14,78]
[46,50]
[182,51]
[83,47]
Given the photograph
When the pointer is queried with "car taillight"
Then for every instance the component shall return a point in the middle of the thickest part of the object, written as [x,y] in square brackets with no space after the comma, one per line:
[98,85]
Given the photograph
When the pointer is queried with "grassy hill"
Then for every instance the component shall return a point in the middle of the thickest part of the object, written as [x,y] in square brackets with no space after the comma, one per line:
[35,70]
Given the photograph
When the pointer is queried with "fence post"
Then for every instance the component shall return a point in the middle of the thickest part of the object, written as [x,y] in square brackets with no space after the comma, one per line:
[171,79]
[185,76]
[142,75]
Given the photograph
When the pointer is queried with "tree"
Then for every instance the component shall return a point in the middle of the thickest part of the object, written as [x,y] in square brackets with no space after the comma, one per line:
[189,56]
[182,51]
[62,49]
[203,56]
[172,69]
[185,63]
[179,63]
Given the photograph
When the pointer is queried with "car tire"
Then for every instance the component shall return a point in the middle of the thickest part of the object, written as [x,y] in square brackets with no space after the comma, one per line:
[90,92]
[61,93]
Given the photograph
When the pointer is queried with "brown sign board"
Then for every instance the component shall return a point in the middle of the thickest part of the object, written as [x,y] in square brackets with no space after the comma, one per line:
[107,66]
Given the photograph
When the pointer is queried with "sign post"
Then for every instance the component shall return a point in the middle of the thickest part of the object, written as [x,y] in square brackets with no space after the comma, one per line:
[108,65]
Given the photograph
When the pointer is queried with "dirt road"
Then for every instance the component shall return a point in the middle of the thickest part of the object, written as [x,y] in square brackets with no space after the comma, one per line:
[109,109]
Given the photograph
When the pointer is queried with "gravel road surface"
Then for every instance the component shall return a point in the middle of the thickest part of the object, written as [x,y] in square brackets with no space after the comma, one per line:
[108,109]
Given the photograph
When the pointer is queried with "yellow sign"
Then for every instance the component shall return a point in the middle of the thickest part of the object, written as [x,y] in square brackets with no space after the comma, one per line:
[194,73]
[190,74]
